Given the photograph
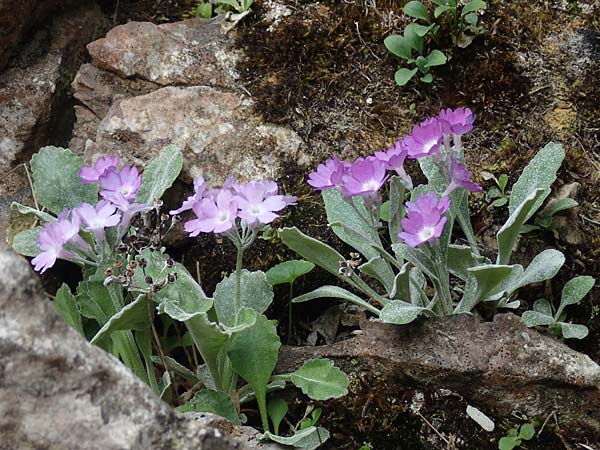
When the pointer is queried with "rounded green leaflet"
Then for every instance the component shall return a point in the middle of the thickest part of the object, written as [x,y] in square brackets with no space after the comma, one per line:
[398,45]
[404,75]
[320,379]
[575,289]
[417,10]
[288,271]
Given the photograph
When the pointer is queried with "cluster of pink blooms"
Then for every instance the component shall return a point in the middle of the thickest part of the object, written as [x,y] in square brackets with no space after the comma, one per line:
[365,176]
[61,239]
[256,203]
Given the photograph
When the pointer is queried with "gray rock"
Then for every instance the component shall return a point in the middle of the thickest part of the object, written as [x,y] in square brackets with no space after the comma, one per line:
[150,86]
[500,366]
[33,93]
[192,52]
[216,130]
[59,392]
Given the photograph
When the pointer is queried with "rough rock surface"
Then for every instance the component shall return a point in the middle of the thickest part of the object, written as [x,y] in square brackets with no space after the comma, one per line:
[499,366]
[150,86]
[214,129]
[33,92]
[193,52]
[59,392]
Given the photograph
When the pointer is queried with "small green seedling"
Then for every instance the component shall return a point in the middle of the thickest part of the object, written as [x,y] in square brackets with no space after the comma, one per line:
[411,45]
[542,315]
[311,420]
[514,439]
[497,194]
[277,408]
[204,10]
[241,7]
[286,273]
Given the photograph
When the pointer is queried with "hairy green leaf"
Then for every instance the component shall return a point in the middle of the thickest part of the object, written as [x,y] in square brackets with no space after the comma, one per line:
[262,342]
[308,439]
[320,379]
[288,271]
[311,249]
[400,313]
[335,292]
[67,308]
[215,402]
[539,174]
[277,408]
[56,180]
[255,290]
[507,235]
[404,75]
[398,45]
[159,174]
[573,331]
[25,242]
[417,10]
[133,316]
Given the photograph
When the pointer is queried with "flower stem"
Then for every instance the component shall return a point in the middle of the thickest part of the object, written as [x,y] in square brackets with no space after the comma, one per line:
[238,281]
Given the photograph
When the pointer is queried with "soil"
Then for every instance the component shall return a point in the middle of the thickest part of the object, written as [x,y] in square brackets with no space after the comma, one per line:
[324,72]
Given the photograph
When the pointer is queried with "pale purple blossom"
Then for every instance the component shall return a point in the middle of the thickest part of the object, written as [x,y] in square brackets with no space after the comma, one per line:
[457,121]
[103,215]
[214,215]
[425,139]
[364,177]
[52,239]
[425,220]
[328,174]
[394,158]
[461,178]
[258,202]
[199,191]
[126,182]
[128,210]
[92,174]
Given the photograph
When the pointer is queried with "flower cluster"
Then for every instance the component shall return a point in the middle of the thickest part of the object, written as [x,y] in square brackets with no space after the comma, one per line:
[255,203]
[61,239]
[439,138]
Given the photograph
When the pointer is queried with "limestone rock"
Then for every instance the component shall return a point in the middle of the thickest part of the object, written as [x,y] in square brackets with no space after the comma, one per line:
[150,86]
[192,52]
[216,130]
[501,366]
[59,392]
[33,92]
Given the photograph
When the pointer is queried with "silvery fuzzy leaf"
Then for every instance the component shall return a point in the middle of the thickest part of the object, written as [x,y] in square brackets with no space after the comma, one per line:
[573,331]
[543,267]
[543,306]
[379,269]
[540,173]
[535,319]
[400,313]
[159,174]
[320,379]
[508,234]
[348,225]
[488,278]
[256,293]
[312,250]
[308,439]
[56,181]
